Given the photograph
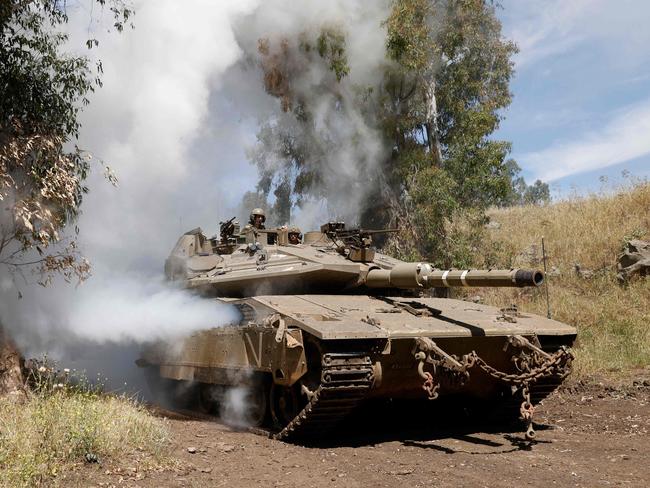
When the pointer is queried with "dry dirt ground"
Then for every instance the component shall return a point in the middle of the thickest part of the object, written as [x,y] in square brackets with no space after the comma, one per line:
[589,434]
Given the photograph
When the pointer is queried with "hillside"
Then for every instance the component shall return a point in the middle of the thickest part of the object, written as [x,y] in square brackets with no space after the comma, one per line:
[583,237]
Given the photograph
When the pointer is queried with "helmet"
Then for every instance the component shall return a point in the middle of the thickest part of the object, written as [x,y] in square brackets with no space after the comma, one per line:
[294,231]
[257,211]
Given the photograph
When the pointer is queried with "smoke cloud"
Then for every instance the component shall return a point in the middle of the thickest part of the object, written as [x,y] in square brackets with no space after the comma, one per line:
[349,148]
[180,104]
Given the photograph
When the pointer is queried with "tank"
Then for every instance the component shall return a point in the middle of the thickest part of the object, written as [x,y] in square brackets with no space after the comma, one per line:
[329,324]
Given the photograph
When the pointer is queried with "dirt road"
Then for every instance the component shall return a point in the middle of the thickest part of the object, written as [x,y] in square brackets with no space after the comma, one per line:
[588,435]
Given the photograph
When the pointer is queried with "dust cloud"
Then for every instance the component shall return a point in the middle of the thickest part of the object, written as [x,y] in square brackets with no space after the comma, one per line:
[180,104]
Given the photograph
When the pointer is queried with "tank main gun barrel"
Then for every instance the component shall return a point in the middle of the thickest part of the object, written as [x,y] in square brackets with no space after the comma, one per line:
[421,275]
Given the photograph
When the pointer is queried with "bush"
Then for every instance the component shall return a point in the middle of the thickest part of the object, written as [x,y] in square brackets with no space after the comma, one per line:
[61,426]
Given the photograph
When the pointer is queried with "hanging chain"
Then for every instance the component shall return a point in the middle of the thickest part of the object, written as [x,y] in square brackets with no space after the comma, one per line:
[531,367]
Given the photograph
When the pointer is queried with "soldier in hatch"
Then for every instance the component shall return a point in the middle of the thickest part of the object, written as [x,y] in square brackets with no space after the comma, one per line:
[256,220]
[295,237]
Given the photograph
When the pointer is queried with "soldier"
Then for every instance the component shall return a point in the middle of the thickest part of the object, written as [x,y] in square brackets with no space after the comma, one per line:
[257,219]
[295,236]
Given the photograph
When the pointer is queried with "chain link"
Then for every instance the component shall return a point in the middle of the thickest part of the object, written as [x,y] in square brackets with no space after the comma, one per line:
[556,364]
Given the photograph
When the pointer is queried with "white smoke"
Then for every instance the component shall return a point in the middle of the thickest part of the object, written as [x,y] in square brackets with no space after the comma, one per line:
[354,148]
[178,108]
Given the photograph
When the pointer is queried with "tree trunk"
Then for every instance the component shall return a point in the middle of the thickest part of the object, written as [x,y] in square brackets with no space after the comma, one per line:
[431,121]
[11,367]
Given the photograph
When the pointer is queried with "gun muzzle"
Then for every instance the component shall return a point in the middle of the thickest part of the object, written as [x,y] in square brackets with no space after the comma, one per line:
[421,275]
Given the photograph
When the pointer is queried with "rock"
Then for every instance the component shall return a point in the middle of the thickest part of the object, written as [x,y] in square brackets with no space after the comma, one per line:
[402,472]
[226,447]
[91,458]
[582,272]
[191,450]
[635,260]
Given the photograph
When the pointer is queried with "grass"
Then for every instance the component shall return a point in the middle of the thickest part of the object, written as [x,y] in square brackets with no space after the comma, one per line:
[613,321]
[57,427]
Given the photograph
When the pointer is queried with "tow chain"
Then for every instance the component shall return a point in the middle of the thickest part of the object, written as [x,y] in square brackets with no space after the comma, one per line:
[526,410]
[543,365]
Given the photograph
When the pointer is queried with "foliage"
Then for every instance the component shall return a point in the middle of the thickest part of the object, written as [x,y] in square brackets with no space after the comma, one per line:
[445,81]
[453,55]
[306,74]
[536,194]
[522,194]
[63,421]
[42,90]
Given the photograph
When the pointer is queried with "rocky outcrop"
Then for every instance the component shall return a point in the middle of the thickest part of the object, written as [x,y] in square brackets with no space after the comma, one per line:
[634,261]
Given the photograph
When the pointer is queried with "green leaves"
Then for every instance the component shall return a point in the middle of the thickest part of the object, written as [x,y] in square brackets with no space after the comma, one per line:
[331,47]
[436,104]
[42,90]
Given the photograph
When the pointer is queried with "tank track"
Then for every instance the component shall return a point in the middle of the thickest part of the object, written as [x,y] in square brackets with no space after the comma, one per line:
[346,378]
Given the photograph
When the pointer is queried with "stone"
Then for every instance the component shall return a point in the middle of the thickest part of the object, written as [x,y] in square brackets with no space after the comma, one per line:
[583,272]
[226,447]
[633,261]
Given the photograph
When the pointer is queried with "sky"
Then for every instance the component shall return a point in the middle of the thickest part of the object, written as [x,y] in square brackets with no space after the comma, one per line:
[581,106]
[581,96]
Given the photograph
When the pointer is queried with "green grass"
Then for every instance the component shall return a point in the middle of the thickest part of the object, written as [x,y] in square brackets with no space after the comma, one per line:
[53,429]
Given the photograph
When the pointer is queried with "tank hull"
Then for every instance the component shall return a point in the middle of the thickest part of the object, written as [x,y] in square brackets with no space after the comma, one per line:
[327,354]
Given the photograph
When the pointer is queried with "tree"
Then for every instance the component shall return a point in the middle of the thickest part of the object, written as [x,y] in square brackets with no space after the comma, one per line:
[42,171]
[520,193]
[293,153]
[537,194]
[445,82]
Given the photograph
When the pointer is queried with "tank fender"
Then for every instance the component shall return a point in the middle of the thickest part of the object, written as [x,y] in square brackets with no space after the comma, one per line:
[288,362]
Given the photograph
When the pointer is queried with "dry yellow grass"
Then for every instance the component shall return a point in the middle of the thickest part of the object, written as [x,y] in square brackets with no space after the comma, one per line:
[46,437]
[613,321]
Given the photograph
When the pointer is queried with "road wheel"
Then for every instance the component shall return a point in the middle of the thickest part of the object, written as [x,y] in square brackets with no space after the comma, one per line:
[244,405]
[257,399]
[285,404]
[210,398]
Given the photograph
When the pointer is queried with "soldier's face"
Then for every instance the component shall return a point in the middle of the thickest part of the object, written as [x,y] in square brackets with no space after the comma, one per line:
[258,220]
[293,239]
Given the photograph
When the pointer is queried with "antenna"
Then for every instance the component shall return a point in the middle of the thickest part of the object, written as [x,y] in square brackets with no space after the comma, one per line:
[548,305]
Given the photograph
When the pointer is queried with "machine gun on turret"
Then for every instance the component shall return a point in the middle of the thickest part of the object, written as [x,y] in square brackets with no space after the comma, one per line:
[227,230]
[355,244]
[228,237]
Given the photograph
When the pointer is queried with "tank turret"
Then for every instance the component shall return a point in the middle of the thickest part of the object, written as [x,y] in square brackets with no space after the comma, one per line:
[336,259]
